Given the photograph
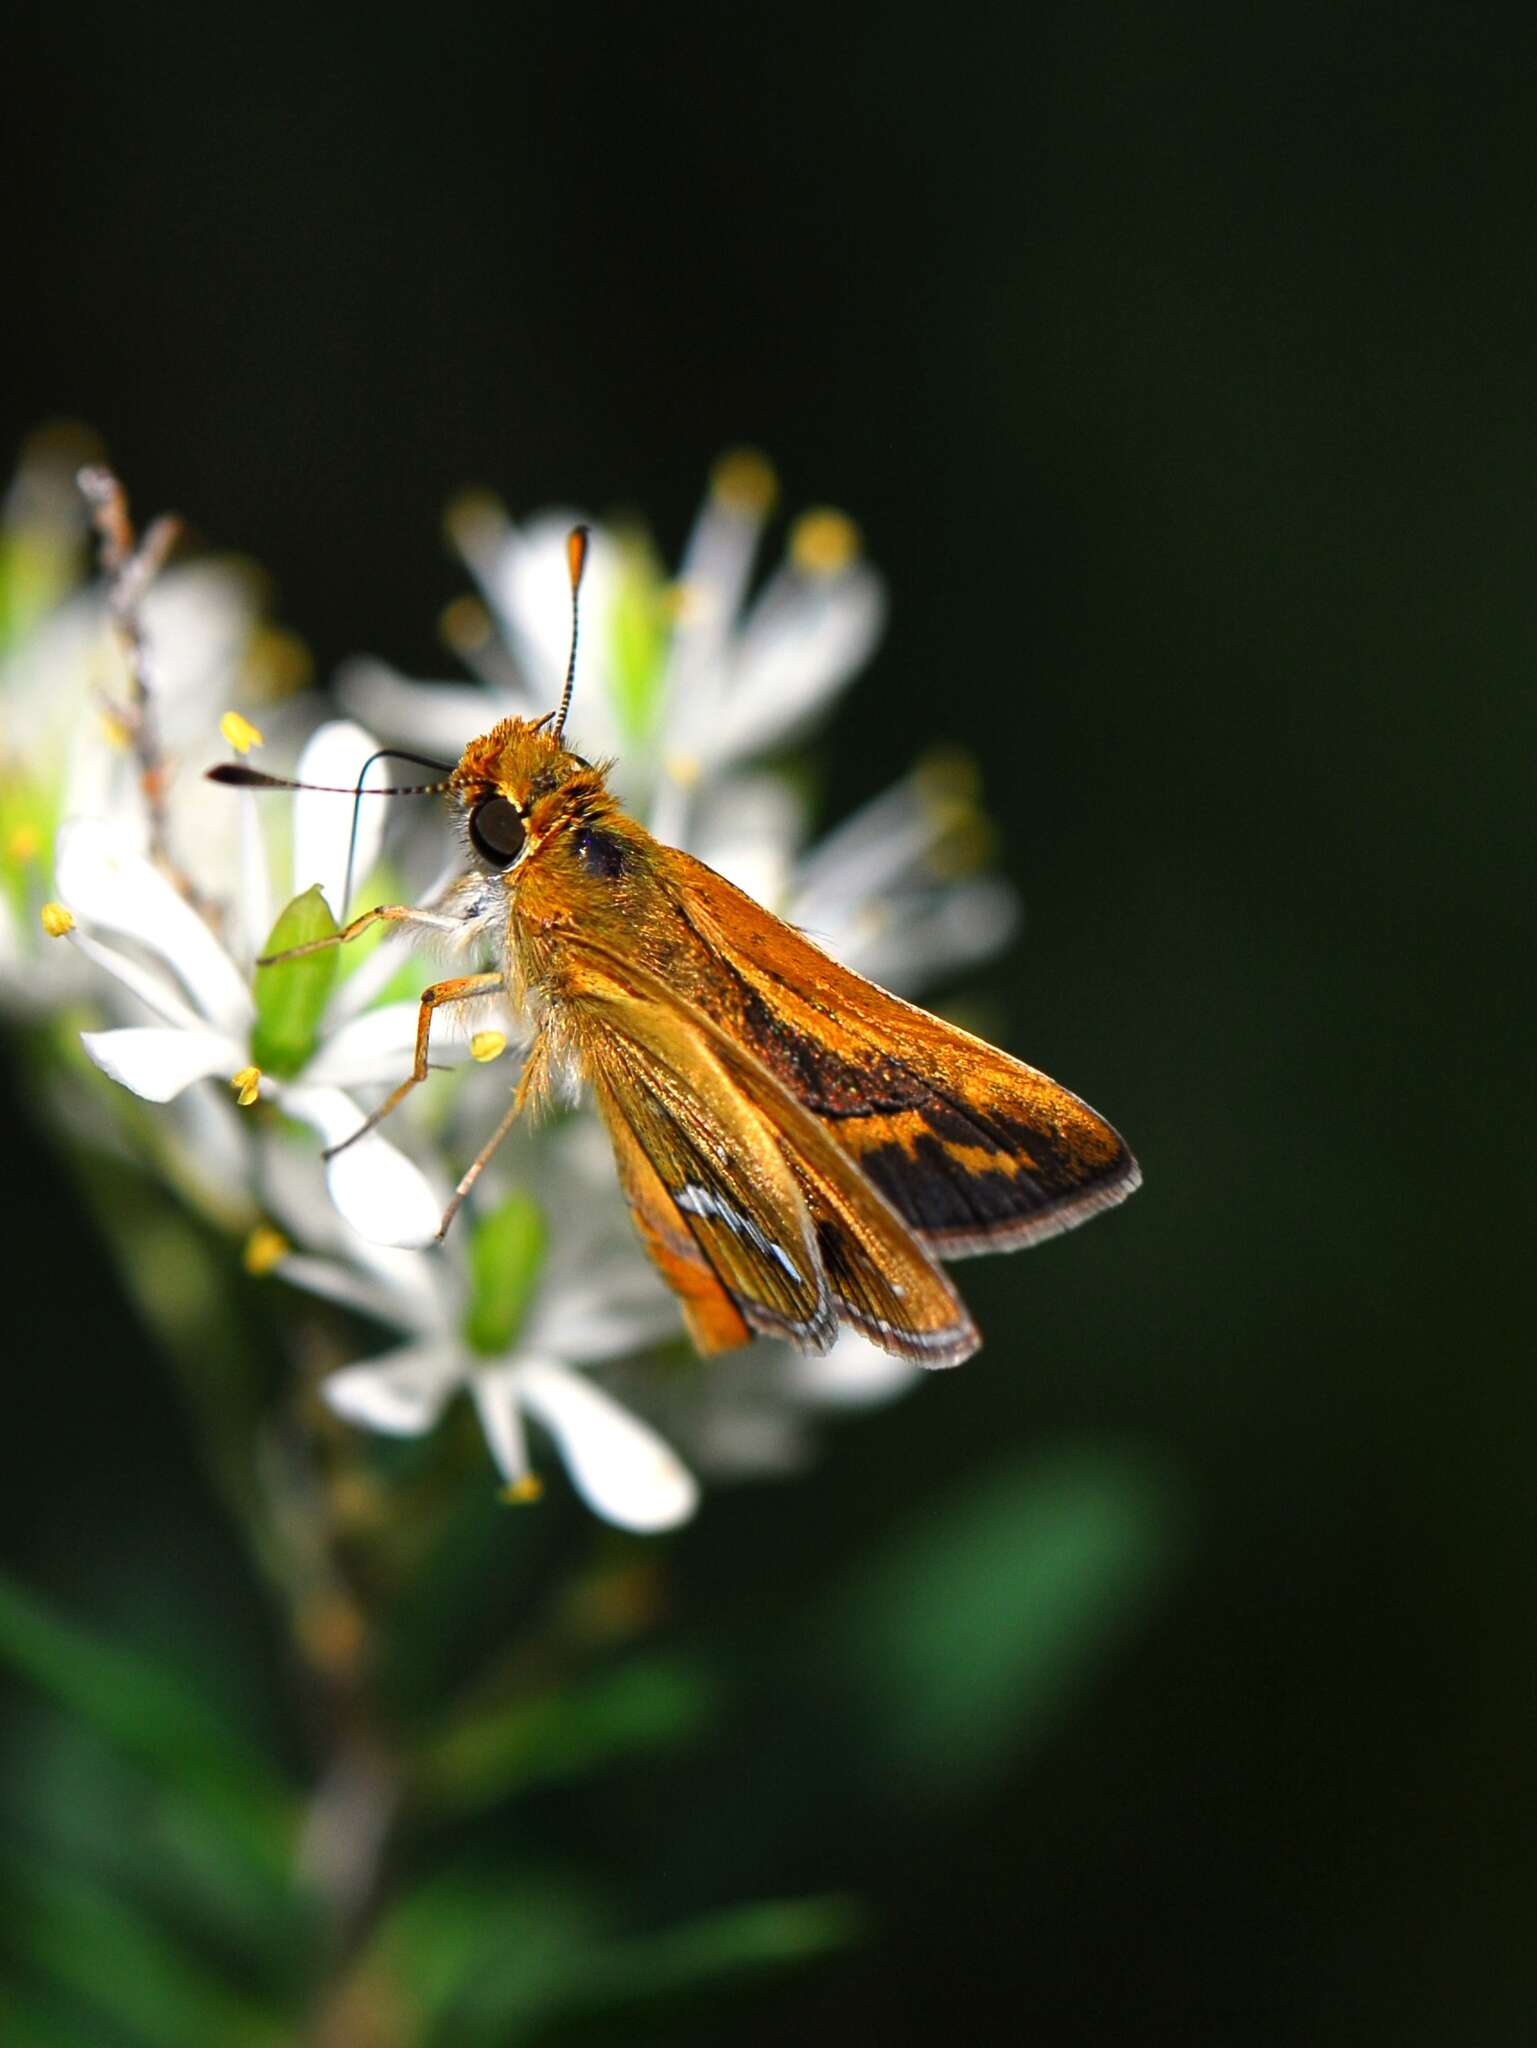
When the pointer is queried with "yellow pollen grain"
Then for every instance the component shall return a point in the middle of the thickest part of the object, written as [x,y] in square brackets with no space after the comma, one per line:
[685,769]
[114,729]
[522,1493]
[743,481]
[56,920]
[247,1085]
[264,1249]
[824,542]
[240,732]
[465,624]
[488,1045]
[24,844]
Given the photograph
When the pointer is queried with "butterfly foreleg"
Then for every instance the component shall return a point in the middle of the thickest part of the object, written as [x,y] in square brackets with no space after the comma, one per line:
[466,988]
[386,913]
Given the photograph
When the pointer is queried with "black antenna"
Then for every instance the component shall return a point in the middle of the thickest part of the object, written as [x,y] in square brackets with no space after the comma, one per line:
[576,560]
[239,776]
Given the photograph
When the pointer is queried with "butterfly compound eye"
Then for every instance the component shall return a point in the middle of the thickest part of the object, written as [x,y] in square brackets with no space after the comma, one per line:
[497,831]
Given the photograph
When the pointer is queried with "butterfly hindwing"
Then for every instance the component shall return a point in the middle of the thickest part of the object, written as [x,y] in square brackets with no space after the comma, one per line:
[794,1234]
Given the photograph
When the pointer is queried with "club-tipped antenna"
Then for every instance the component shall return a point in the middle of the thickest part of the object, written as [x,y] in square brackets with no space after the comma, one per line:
[239,776]
[576,562]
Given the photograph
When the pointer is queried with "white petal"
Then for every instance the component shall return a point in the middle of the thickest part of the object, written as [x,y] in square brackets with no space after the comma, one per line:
[205,1141]
[890,837]
[158,1062]
[854,1374]
[375,1187]
[106,884]
[323,824]
[153,990]
[400,1394]
[622,1469]
[917,940]
[529,587]
[378,1046]
[748,828]
[804,639]
[411,1289]
[440,718]
[610,1318]
[255,901]
[495,1389]
[713,578]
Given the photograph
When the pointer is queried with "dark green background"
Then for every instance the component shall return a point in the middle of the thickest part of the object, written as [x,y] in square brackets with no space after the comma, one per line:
[1180,365]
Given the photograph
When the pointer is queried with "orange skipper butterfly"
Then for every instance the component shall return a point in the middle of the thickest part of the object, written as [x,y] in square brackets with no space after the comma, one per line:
[798,1148]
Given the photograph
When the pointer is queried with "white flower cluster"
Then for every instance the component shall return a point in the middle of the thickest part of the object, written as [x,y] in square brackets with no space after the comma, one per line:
[540,1306]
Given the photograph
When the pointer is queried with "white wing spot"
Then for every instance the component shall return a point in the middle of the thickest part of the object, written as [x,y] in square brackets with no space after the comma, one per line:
[705,1203]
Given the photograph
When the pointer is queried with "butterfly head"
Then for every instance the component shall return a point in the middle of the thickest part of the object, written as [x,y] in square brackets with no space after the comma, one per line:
[519,790]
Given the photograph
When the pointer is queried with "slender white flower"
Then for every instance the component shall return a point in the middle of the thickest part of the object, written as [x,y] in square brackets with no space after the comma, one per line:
[679,682]
[206,1022]
[586,1298]
[685,683]
[65,750]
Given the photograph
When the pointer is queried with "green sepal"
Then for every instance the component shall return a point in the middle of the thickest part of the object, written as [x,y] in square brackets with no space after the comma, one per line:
[638,631]
[506,1253]
[291,996]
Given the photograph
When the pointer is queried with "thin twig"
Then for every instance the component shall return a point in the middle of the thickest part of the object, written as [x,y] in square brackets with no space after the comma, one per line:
[131,566]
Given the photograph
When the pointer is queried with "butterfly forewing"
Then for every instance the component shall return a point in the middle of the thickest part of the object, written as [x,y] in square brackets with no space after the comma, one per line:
[976,1151]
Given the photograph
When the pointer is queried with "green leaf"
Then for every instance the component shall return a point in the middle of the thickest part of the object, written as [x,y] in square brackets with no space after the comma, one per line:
[769,1934]
[291,996]
[496,1747]
[122,1965]
[506,1252]
[977,1627]
[150,1716]
[79,1805]
[484,1961]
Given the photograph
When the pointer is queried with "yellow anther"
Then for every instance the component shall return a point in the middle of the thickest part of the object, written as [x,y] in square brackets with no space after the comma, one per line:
[523,1492]
[684,603]
[240,732]
[277,663]
[247,1085]
[685,769]
[264,1249]
[114,729]
[332,1633]
[56,920]
[967,843]
[488,1045]
[948,774]
[823,542]
[743,480]
[474,518]
[25,843]
[465,624]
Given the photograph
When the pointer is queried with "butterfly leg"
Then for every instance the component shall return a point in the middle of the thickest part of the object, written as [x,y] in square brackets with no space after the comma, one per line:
[534,1078]
[464,989]
[386,913]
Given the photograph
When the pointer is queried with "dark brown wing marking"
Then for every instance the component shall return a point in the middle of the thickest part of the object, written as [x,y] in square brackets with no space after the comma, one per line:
[976,1151]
